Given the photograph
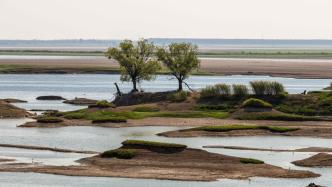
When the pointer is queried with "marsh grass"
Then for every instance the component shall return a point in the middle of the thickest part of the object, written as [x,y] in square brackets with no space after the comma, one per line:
[102,114]
[263,88]
[240,90]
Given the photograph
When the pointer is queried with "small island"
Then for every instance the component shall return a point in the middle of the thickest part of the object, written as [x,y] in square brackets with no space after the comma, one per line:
[158,160]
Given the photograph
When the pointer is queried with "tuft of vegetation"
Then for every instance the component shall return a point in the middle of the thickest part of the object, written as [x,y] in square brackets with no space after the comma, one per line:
[218,90]
[251,161]
[276,116]
[227,128]
[104,104]
[240,90]
[256,103]
[267,88]
[110,120]
[48,119]
[179,96]
[146,109]
[119,153]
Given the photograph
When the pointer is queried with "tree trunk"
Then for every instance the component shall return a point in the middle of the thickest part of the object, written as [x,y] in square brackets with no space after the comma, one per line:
[134,86]
[180,85]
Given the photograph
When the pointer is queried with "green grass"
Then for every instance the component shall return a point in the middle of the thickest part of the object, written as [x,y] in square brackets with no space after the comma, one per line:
[142,143]
[47,119]
[101,114]
[227,128]
[103,104]
[277,117]
[146,109]
[110,120]
[251,161]
[119,153]
[256,103]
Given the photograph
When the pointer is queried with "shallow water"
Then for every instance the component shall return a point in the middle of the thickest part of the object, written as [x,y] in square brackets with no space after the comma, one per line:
[101,139]
[28,87]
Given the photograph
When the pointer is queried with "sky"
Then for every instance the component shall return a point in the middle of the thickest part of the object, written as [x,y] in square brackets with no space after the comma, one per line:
[133,19]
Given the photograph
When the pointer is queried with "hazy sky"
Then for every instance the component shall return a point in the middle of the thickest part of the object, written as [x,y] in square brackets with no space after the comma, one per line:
[118,19]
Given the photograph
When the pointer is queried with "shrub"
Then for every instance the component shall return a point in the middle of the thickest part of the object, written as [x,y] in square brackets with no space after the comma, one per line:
[251,161]
[119,153]
[141,143]
[219,90]
[262,88]
[146,109]
[47,119]
[178,96]
[110,120]
[256,103]
[240,90]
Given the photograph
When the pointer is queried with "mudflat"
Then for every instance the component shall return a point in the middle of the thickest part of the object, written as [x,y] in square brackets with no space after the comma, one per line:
[296,68]
[187,165]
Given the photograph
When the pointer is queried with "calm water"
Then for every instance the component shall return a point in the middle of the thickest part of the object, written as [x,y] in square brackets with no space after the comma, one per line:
[28,87]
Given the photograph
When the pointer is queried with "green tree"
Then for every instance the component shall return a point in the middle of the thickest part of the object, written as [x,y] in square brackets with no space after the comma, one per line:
[181,59]
[136,61]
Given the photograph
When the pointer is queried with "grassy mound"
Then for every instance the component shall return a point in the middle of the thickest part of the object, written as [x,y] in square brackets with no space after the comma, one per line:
[256,103]
[146,109]
[251,161]
[159,147]
[142,143]
[227,128]
[276,116]
[110,120]
[102,104]
[178,96]
[119,153]
[47,119]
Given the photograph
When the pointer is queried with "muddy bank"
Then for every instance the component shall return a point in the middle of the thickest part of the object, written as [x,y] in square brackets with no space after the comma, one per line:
[303,130]
[319,160]
[81,101]
[308,149]
[9,100]
[8,110]
[188,165]
[46,149]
